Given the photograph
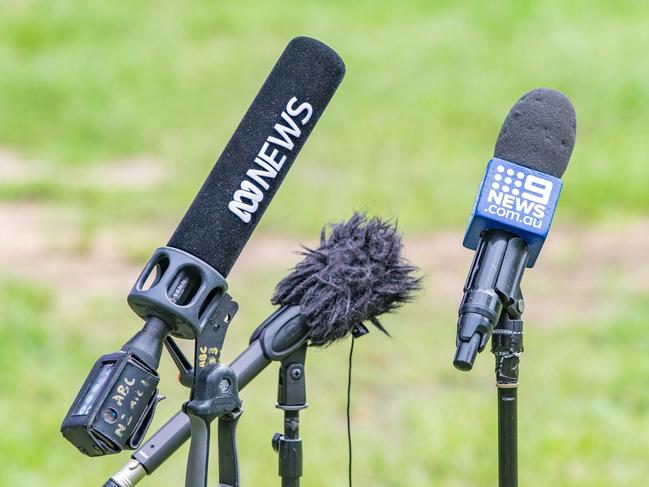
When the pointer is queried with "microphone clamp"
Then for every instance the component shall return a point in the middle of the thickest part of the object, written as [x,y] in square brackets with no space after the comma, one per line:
[491,292]
[180,289]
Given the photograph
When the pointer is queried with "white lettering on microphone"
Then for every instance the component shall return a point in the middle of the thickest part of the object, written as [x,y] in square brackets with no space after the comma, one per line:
[270,160]
[518,197]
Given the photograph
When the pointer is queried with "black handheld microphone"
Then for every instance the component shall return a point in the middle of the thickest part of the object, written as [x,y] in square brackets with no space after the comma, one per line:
[182,284]
[512,214]
[354,276]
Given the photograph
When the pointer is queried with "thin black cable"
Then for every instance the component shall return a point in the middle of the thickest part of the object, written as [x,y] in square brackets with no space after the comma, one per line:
[349,402]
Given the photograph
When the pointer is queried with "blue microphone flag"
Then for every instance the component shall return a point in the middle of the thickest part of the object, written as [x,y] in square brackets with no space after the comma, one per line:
[516,199]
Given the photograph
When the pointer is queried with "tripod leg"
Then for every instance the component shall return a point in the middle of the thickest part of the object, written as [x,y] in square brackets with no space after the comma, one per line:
[199,450]
[228,457]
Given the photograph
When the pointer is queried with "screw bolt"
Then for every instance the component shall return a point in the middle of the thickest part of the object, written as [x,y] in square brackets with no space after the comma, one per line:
[224,386]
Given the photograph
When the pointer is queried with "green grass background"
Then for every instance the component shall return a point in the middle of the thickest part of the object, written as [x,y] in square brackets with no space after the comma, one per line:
[86,83]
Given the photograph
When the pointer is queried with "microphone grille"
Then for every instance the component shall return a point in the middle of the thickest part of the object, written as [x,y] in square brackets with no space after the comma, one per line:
[539,132]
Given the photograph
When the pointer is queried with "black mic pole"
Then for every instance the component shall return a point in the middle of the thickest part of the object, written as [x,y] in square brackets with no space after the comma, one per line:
[291,398]
[507,346]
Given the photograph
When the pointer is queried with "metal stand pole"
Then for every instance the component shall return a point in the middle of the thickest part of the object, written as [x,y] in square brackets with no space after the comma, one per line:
[507,346]
[291,398]
[507,438]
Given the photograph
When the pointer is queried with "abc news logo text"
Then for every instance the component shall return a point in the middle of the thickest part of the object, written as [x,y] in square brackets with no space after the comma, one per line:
[270,159]
[519,197]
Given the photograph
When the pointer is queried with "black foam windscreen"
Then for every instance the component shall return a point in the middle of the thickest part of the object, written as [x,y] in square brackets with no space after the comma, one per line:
[539,132]
[257,158]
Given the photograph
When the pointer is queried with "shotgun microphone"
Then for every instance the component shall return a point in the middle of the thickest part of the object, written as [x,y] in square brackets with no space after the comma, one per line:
[184,283]
[512,214]
[260,153]
[354,276]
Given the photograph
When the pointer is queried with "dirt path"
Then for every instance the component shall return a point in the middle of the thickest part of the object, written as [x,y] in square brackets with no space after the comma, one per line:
[582,272]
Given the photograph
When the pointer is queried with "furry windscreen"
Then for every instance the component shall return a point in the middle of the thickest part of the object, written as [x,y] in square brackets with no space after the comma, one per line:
[355,275]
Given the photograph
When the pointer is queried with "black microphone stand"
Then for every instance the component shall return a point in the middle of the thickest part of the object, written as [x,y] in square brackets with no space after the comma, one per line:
[507,346]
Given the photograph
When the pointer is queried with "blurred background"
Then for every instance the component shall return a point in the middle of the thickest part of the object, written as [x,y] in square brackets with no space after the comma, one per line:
[111,116]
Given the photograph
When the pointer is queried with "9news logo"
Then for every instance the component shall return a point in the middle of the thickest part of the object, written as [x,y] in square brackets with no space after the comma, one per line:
[517,199]
[517,195]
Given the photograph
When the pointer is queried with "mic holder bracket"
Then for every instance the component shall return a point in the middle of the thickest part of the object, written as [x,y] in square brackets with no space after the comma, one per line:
[282,333]
[180,289]
[491,291]
[185,369]
[214,394]
[507,345]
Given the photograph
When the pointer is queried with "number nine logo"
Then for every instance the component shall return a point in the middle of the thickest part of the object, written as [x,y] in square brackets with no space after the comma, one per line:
[537,189]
